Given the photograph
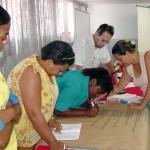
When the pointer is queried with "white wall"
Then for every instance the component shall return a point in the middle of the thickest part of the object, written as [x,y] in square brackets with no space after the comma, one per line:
[143,28]
[122,16]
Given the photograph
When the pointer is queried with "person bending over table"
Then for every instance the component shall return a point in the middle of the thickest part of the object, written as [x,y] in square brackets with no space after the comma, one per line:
[76,87]
[91,51]
[137,67]
[33,81]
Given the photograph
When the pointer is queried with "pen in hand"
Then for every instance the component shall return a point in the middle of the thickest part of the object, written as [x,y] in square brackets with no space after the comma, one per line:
[92,104]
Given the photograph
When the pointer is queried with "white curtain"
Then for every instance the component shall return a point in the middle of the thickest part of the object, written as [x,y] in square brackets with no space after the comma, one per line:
[34,23]
[143,28]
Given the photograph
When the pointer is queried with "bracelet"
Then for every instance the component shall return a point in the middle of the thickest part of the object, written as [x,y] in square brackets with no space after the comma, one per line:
[113,72]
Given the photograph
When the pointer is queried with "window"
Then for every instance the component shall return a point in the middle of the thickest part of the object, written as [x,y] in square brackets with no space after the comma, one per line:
[68,16]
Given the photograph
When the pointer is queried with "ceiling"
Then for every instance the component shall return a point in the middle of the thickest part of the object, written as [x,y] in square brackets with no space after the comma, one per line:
[112,1]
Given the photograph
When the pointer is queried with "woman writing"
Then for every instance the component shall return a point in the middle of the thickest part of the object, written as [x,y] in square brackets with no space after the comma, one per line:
[93,82]
[137,67]
[33,81]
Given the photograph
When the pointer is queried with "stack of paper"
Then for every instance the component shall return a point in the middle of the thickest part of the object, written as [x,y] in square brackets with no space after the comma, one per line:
[129,98]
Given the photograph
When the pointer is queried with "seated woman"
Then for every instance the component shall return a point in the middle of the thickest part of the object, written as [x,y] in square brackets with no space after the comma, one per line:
[137,67]
[33,81]
[77,86]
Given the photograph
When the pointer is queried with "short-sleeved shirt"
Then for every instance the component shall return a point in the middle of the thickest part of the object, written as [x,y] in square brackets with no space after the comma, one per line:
[73,90]
[87,55]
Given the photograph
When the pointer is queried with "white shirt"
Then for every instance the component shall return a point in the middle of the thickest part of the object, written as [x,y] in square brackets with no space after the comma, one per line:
[87,55]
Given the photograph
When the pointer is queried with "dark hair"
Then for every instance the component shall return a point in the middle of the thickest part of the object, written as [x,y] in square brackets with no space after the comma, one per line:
[122,46]
[4,16]
[102,76]
[105,27]
[61,53]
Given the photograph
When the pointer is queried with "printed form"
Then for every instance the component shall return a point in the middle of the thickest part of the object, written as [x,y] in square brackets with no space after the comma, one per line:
[69,132]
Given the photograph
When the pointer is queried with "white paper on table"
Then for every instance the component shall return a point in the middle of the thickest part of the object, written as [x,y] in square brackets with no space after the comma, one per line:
[127,97]
[69,132]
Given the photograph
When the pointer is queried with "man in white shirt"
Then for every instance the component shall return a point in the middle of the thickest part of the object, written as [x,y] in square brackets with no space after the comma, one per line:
[92,50]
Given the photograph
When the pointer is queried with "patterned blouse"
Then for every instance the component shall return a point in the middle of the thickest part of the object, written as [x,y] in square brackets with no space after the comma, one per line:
[25,132]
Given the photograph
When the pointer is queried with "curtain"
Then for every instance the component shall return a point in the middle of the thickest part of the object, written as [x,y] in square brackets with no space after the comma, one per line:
[143,28]
[34,23]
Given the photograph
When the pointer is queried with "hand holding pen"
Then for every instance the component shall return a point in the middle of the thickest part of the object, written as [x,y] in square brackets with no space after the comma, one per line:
[92,110]
[92,104]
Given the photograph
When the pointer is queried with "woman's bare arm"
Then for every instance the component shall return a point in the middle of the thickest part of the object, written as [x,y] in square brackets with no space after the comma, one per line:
[30,87]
